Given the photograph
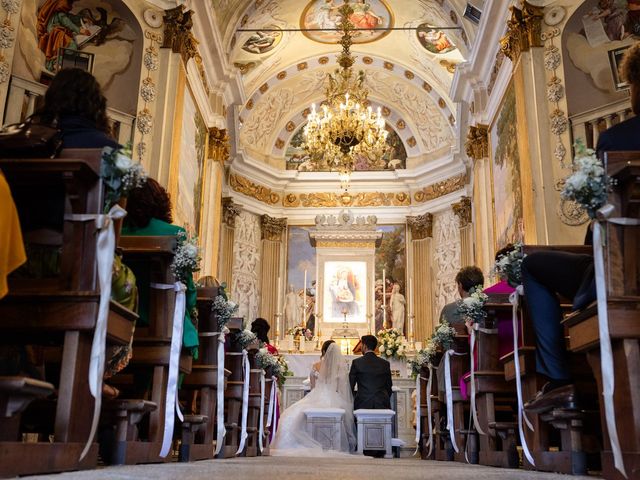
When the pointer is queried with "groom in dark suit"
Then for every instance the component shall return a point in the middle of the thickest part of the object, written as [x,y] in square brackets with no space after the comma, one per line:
[372,375]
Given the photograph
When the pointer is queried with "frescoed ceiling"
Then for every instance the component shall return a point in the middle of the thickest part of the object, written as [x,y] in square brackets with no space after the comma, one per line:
[408,72]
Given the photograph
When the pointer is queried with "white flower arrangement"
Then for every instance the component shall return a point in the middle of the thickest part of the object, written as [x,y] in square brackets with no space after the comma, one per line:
[509,265]
[392,343]
[588,185]
[223,308]
[472,307]
[120,174]
[187,257]
[276,363]
[443,336]
[245,338]
[299,331]
[423,357]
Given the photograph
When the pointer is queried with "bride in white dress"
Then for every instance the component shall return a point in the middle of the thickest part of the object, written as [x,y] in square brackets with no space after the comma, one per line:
[332,390]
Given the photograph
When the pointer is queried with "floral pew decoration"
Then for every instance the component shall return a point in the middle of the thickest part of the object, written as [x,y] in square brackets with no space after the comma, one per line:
[277,367]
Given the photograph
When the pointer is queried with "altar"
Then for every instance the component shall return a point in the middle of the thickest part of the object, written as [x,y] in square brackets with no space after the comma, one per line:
[295,388]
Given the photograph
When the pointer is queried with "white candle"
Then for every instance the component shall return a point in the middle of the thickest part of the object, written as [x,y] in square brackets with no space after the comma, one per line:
[384,299]
[304,300]
[278,297]
[410,296]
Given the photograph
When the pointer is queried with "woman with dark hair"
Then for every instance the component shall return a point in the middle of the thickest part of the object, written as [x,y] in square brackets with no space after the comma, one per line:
[261,328]
[315,368]
[149,214]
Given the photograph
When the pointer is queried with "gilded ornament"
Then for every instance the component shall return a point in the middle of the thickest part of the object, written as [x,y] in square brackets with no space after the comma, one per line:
[148,90]
[281,75]
[448,66]
[555,90]
[477,143]
[549,34]
[367,60]
[427,87]
[291,200]
[465,39]
[400,124]
[11,6]
[230,211]
[462,209]
[411,141]
[177,32]
[388,65]
[559,122]
[441,103]
[409,74]
[144,122]
[571,213]
[454,17]
[245,186]
[552,58]
[302,66]
[244,20]
[439,189]
[452,120]
[218,144]
[150,59]
[272,228]
[249,104]
[386,111]
[346,199]
[290,127]
[5,70]
[421,226]
[306,112]
[264,87]
[323,60]
[246,67]
[523,30]
[279,144]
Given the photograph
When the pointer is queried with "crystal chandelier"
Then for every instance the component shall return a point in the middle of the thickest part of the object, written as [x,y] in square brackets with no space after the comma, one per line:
[344,128]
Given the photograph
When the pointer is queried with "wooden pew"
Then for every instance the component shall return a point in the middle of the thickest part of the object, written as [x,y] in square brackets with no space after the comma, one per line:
[495,397]
[563,441]
[150,259]
[200,386]
[61,311]
[233,391]
[425,426]
[622,268]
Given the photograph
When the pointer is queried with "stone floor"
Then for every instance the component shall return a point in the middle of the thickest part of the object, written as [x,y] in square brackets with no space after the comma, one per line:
[285,468]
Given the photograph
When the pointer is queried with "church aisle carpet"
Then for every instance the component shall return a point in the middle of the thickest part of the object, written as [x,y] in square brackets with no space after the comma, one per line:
[288,468]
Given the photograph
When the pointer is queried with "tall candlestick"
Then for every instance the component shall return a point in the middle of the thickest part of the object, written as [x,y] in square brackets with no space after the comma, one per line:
[304,300]
[278,296]
[384,299]
[410,296]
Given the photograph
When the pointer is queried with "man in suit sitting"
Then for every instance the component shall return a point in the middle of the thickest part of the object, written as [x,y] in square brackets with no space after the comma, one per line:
[372,375]
[546,274]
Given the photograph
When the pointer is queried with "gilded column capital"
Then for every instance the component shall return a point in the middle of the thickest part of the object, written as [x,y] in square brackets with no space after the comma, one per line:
[421,226]
[523,30]
[271,227]
[230,211]
[477,144]
[218,144]
[177,32]
[463,211]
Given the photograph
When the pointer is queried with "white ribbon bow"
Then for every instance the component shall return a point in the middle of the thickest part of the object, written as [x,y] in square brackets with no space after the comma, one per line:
[449,396]
[514,299]
[261,418]
[474,411]
[245,401]
[418,420]
[171,403]
[606,351]
[271,414]
[105,248]
[220,429]
[429,414]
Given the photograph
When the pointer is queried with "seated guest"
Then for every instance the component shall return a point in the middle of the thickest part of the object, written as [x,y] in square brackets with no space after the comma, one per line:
[261,328]
[546,274]
[466,279]
[149,214]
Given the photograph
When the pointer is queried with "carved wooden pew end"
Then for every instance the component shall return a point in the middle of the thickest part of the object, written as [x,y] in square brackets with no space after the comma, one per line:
[126,415]
[16,393]
[191,425]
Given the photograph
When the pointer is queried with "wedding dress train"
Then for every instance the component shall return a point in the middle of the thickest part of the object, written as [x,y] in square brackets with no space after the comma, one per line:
[332,390]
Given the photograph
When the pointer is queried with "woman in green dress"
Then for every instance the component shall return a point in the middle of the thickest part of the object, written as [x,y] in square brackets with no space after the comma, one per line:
[149,214]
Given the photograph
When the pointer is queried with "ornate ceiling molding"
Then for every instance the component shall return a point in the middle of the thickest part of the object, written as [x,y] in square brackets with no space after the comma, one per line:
[247,187]
[477,143]
[332,200]
[523,30]
[440,189]
[462,209]
[421,226]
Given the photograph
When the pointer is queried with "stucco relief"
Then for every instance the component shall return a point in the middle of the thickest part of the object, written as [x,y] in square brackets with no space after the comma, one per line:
[434,128]
[265,117]
[246,265]
[446,257]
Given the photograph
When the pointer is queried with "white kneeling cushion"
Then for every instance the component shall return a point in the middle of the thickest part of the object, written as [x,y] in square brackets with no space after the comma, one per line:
[325,426]
[374,430]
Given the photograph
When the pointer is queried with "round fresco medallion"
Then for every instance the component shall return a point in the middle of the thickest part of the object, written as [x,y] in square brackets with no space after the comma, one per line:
[434,40]
[263,41]
[324,14]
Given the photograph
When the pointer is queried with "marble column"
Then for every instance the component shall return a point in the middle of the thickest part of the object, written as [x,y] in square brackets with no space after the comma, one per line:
[210,228]
[230,211]
[421,232]
[462,209]
[273,230]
